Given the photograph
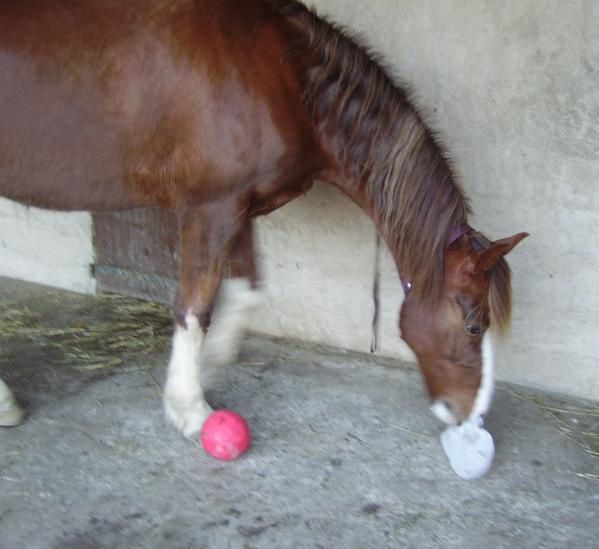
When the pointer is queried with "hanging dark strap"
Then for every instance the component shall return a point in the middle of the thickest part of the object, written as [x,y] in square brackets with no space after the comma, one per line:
[375,294]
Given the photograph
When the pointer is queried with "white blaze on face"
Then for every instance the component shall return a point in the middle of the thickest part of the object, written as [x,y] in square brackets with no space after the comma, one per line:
[487,382]
[484,396]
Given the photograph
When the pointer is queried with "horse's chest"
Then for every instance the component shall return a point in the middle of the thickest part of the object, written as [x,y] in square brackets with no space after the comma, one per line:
[188,132]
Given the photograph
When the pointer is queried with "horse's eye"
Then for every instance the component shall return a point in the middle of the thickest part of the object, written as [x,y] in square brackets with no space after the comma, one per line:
[473,329]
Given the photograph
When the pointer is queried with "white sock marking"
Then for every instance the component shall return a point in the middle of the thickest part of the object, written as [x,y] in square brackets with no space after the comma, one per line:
[195,358]
[184,401]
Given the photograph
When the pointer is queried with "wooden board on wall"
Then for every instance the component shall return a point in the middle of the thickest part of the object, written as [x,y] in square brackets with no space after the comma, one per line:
[137,253]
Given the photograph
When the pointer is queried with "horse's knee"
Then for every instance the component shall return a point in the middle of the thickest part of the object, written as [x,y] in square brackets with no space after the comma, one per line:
[236,303]
[240,294]
[186,314]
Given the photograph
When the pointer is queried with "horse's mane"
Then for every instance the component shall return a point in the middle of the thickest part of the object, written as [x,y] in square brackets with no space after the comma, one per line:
[383,143]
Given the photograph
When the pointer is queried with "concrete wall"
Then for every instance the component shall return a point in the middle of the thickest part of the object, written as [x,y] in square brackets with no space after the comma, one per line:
[46,247]
[512,88]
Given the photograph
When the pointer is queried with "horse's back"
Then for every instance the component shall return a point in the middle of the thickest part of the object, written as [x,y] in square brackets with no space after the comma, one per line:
[109,104]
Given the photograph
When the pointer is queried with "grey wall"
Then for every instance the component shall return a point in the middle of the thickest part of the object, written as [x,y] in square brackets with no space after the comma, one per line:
[513,88]
[46,247]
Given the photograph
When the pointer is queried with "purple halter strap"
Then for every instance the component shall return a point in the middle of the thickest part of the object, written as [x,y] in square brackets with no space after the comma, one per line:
[455,234]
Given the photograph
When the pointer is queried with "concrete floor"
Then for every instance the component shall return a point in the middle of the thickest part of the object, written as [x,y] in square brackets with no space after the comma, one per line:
[345,454]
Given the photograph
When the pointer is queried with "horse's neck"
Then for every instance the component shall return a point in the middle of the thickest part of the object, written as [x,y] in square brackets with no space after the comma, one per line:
[384,156]
[410,194]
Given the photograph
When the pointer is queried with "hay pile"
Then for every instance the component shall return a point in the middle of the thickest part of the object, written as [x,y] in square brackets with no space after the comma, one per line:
[104,332]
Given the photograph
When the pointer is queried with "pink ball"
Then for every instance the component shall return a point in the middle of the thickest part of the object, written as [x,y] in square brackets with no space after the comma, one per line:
[225,435]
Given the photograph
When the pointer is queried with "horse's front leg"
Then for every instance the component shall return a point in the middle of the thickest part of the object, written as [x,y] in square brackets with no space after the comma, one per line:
[207,234]
[10,412]
[237,300]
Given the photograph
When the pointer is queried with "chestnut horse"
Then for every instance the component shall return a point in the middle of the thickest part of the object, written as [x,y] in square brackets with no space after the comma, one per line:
[223,110]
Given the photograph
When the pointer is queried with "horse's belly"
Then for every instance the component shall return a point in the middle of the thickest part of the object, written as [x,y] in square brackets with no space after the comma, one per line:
[57,146]
[139,118]
[70,142]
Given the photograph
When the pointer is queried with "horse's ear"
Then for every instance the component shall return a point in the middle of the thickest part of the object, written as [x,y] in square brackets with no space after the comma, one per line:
[496,250]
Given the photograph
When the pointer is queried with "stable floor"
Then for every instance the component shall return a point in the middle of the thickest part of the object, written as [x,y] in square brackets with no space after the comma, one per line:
[345,452]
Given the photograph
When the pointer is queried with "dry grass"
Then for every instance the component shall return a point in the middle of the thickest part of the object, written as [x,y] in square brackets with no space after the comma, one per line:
[577,422]
[105,332]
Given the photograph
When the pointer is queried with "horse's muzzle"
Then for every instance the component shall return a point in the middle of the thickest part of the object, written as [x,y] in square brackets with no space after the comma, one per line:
[446,412]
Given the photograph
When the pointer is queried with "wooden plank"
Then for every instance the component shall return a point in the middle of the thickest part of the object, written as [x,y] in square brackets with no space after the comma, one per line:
[147,286]
[137,253]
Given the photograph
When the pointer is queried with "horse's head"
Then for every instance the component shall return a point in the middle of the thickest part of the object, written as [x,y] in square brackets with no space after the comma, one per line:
[452,340]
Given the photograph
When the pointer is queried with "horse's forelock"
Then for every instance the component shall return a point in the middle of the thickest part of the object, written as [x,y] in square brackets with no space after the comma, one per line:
[500,297]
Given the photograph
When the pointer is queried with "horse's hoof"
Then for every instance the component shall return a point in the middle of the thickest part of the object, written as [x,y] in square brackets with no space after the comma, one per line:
[187,418]
[11,413]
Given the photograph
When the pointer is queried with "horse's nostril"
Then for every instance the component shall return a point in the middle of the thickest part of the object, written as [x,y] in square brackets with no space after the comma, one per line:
[450,407]
[445,411]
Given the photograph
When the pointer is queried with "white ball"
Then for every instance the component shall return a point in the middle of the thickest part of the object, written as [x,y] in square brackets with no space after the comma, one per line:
[470,449]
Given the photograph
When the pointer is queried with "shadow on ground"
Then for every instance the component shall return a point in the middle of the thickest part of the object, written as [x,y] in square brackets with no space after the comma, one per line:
[345,454]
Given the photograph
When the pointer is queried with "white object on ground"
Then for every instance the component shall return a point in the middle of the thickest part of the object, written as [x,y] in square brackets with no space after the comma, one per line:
[10,412]
[469,447]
